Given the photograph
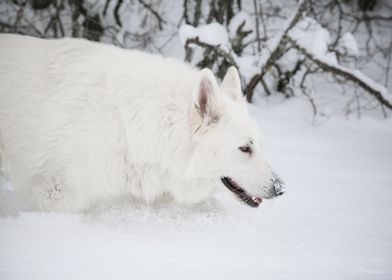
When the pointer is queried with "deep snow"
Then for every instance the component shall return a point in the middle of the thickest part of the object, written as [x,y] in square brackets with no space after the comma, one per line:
[333,222]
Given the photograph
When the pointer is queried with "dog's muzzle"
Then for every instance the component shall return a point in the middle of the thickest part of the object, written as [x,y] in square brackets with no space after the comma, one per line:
[278,185]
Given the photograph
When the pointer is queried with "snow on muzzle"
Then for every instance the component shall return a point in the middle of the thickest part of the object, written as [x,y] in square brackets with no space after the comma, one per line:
[278,185]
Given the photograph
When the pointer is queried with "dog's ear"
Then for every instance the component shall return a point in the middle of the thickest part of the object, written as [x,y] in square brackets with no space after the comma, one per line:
[232,84]
[206,97]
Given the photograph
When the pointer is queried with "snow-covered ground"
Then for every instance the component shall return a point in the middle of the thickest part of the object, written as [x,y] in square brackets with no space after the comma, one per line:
[334,222]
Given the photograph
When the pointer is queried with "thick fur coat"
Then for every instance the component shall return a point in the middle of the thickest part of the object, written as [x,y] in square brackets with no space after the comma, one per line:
[82,122]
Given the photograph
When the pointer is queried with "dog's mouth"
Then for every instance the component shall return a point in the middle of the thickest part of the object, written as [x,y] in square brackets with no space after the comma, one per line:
[252,201]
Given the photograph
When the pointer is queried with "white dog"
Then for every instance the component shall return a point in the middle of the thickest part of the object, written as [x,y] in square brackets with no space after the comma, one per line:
[82,122]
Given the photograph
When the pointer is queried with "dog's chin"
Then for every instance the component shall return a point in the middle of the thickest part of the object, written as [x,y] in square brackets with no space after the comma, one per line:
[234,187]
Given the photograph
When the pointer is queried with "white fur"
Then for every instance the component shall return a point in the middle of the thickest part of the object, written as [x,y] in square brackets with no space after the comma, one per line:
[82,122]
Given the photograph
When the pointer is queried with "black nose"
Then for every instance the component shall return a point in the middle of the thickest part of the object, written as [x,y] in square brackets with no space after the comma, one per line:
[278,185]
[278,191]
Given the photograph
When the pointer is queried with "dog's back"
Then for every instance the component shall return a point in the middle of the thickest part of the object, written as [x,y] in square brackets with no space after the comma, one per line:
[81,114]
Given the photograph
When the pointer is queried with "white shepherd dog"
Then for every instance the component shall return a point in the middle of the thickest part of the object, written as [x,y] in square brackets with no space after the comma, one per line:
[82,122]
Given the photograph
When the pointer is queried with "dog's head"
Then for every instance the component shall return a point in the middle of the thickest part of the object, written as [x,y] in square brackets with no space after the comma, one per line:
[226,142]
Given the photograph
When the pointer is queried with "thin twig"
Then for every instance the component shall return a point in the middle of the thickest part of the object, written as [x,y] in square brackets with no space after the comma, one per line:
[155,13]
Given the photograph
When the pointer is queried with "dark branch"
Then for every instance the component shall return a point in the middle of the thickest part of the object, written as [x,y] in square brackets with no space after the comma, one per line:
[215,48]
[151,10]
[116,12]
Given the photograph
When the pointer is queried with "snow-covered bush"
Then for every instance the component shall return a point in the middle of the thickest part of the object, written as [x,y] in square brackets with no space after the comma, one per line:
[301,49]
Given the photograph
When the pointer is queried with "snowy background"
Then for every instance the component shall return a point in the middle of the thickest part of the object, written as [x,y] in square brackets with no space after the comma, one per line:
[327,136]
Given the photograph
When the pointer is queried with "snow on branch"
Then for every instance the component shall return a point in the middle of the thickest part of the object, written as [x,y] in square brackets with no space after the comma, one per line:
[278,47]
[214,40]
[216,48]
[311,40]
[356,76]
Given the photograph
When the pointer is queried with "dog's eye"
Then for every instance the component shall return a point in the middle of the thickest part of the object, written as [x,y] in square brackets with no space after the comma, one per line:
[245,149]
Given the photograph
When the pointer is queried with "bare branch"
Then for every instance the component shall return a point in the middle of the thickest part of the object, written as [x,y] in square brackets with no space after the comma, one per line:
[257,25]
[236,42]
[197,14]
[185,11]
[116,12]
[151,10]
